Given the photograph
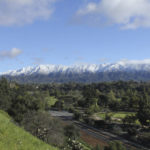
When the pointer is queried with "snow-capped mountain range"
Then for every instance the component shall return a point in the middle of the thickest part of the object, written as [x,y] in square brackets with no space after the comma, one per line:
[85,73]
[127,66]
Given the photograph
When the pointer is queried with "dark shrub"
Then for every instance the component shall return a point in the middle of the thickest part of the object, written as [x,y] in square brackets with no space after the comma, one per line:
[115,146]
[77,115]
[43,126]
[100,123]
[132,131]
[72,132]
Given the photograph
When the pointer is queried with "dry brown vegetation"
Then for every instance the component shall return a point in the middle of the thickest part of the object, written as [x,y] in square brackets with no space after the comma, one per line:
[91,140]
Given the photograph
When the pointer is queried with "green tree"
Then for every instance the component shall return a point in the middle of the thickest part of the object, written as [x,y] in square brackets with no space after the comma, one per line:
[143,113]
[5,95]
[103,100]
[59,104]
[111,96]
[24,103]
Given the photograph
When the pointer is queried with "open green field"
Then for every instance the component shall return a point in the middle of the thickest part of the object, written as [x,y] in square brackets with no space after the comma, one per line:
[115,115]
[13,137]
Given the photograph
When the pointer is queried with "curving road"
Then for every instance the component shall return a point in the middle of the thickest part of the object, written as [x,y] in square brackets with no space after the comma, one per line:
[95,133]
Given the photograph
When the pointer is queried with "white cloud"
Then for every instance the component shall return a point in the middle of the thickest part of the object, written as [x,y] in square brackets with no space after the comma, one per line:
[19,12]
[13,53]
[126,61]
[130,14]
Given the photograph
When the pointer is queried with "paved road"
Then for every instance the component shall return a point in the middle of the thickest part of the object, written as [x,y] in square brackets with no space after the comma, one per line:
[61,114]
[99,134]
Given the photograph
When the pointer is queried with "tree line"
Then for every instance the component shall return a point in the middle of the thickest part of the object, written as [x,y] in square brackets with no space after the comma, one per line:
[27,104]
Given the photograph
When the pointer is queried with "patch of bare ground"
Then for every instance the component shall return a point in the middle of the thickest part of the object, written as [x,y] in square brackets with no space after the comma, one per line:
[91,140]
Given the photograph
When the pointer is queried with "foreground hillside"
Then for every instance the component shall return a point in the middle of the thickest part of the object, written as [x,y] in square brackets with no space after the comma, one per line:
[15,138]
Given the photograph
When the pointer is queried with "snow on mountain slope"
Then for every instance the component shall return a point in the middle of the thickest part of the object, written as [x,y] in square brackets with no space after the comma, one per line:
[93,68]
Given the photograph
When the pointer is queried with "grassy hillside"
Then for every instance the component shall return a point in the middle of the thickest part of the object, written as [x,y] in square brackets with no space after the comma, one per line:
[13,137]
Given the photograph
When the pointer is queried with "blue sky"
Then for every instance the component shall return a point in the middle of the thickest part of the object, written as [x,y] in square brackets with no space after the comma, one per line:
[72,31]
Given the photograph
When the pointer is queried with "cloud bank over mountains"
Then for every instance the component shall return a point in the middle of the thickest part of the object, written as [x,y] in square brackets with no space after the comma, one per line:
[129,14]
[20,12]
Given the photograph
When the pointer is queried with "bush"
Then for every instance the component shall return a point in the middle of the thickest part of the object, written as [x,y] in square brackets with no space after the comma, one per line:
[77,115]
[115,146]
[92,109]
[88,120]
[71,110]
[97,147]
[72,132]
[117,129]
[132,131]
[100,123]
[144,139]
[43,126]
[129,119]
[59,105]
[108,118]
[74,145]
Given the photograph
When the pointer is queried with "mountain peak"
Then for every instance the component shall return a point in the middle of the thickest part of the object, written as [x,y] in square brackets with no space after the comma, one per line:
[123,65]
